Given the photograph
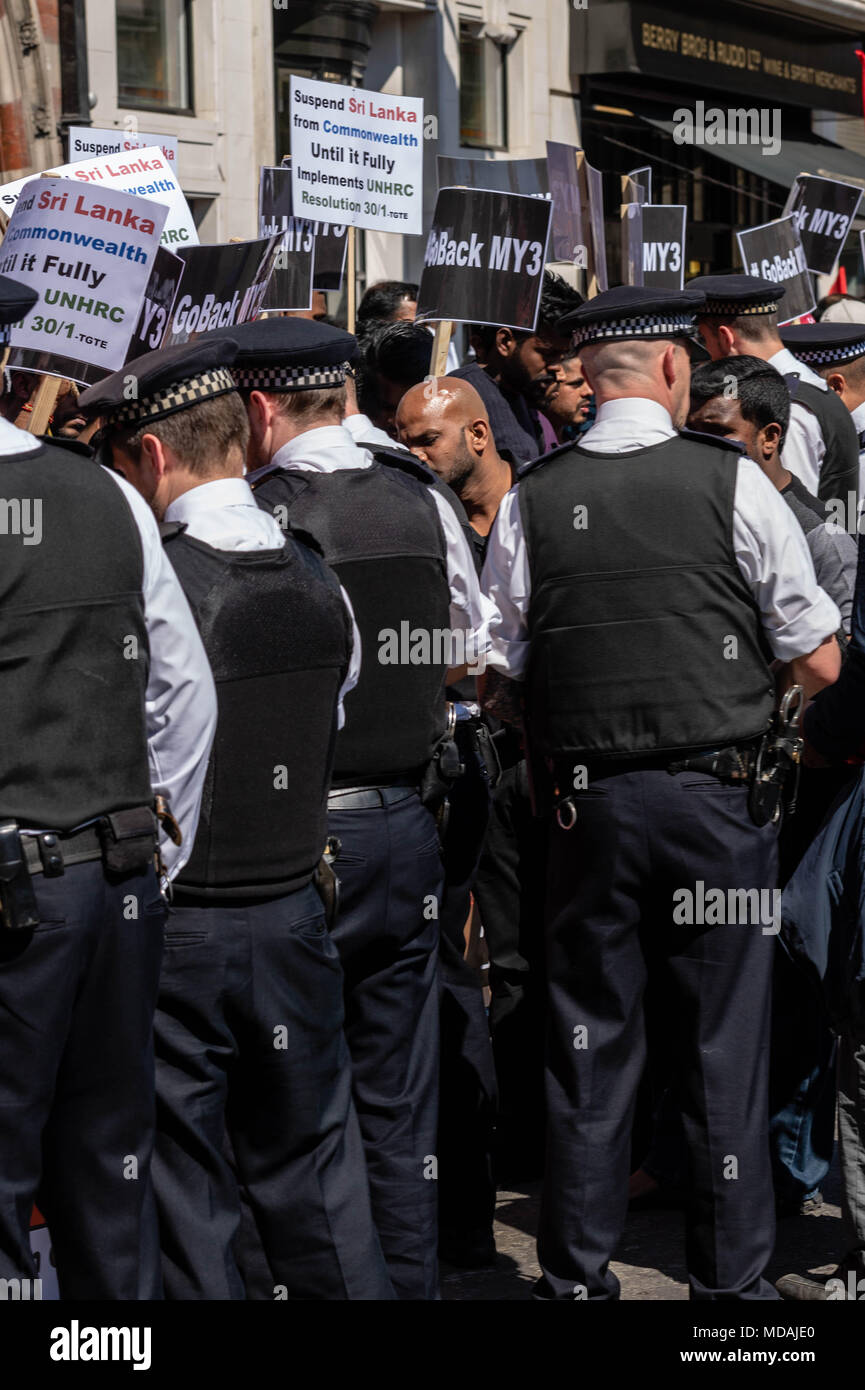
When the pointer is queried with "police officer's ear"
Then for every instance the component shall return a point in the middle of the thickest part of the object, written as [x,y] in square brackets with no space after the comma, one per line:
[837,382]
[726,340]
[261,410]
[153,460]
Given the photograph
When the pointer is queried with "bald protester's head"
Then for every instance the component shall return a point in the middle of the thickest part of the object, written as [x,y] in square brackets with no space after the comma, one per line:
[445,424]
[657,369]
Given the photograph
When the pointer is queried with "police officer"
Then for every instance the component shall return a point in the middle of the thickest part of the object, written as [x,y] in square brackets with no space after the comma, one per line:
[836,352]
[249,1023]
[642,577]
[741,316]
[107,703]
[399,549]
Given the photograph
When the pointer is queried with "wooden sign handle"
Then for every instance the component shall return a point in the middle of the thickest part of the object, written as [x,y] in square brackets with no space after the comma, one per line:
[441,343]
[43,405]
[351,279]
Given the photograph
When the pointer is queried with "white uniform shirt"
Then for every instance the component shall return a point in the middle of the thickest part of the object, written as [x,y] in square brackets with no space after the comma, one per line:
[331,448]
[225,514]
[180,700]
[858,418]
[804,447]
[769,545]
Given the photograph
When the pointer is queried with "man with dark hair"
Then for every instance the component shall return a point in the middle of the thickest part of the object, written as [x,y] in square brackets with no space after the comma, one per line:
[745,398]
[516,371]
[394,357]
[387,301]
[568,399]
[740,318]
[248,1027]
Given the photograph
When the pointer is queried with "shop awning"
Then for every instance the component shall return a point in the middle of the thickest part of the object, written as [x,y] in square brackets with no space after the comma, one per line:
[794,157]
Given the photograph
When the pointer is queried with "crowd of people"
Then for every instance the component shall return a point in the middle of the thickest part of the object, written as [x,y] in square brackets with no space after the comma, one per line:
[401,775]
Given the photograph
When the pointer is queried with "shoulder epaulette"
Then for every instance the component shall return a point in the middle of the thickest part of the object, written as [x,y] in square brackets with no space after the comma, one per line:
[734,445]
[169,529]
[71,446]
[403,460]
[545,458]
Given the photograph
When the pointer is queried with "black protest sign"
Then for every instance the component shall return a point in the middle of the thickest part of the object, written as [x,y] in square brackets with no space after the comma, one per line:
[569,232]
[291,282]
[275,215]
[222,285]
[642,177]
[823,211]
[501,175]
[663,250]
[159,297]
[773,251]
[484,259]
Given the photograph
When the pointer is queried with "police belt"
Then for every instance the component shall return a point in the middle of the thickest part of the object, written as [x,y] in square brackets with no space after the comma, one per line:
[125,841]
[733,764]
[365,798]
[50,852]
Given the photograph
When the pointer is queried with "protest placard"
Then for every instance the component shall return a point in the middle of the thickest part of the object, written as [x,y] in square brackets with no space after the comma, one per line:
[642,177]
[773,251]
[662,233]
[570,237]
[92,142]
[89,254]
[823,211]
[356,156]
[292,279]
[222,285]
[331,241]
[155,316]
[502,175]
[484,259]
[145,174]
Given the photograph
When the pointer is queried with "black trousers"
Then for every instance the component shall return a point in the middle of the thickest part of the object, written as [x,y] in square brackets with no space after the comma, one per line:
[644,845]
[77,996]
[387,933]
[249,1040]
[467,1100]
[510,888]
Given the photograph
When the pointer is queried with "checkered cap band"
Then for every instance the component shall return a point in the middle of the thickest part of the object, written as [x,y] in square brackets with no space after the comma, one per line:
[821,356]
[644,326]
[180,394]
[728,308]
[5,330]
[290,378]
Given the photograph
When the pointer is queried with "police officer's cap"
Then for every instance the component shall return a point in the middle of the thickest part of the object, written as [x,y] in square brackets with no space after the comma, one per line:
[163,382]
[632,312]
[16,300]
[283,354]
[728,296]
[821,344]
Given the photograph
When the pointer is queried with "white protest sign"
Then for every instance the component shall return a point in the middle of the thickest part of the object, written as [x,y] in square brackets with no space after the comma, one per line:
[92,142]
[356,156]
[89,254]
[145,174]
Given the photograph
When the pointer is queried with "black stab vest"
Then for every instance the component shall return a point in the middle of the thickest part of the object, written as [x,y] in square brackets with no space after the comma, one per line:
[380,531]
[839,473]
[634,604]
[74,653]
[278,639]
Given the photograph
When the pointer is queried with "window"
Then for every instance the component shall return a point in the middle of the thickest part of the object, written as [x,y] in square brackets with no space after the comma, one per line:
[483,91]
[153,54]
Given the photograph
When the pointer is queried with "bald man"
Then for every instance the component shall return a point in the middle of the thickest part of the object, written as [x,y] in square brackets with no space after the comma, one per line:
[445,424]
